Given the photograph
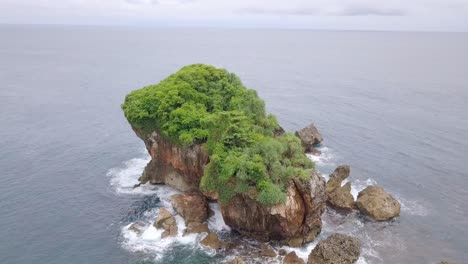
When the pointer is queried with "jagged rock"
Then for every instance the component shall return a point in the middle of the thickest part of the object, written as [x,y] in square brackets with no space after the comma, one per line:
[137,227]
[340,196]
[267,251]
[238,260]
[282,252]
[292,258]
[167,222]
[196,228]
[309,137]
[212,241]
[336,249]
[193,206]
[298,218]
[375,202]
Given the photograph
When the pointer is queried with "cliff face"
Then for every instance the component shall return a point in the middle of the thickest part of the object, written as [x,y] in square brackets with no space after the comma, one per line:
[176,166]
[296,221]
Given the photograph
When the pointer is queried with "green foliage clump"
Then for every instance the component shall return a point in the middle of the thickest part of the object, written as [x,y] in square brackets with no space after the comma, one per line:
[201,104]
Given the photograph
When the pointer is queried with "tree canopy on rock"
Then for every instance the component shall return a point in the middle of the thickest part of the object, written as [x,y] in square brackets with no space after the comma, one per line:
[201,104]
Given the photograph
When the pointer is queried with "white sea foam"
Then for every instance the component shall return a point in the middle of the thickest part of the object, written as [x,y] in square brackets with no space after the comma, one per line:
[216,222]
[326,158]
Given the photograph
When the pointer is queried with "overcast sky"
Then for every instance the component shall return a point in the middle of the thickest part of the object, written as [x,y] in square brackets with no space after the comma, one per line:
[426,15]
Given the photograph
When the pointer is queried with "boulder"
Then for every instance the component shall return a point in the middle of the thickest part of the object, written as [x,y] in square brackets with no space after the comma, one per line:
[376,203]
[238,260]
[340,196]
[336,249]
[282,252]
[267,251]
[298,219]
[309,137]
[137,227]
[167,222]
[192,206]
[212,241]
[292,258]
[196,228]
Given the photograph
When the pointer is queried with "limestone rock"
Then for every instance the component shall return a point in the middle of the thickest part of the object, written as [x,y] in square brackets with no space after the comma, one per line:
[267,251]
[375,202]
[298,218]
[193,206]
[336,249]
[309,137]
[196,228]
[212,241]
[167,222]
[340,196]
[292,258]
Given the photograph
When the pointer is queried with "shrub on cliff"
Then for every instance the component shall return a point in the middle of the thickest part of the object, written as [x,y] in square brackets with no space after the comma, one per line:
[201,104]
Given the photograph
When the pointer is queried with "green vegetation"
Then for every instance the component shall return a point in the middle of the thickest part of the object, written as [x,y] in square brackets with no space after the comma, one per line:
[201,104]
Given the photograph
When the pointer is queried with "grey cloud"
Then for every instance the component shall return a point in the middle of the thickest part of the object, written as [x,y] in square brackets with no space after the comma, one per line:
[369,11]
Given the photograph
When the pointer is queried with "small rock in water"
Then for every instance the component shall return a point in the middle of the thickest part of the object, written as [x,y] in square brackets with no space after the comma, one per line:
[196,228]
[340,196]
[336,249]
[212,241]
[137,227]
[309,136]
[167,222]
[282,252]
[292,258]
[375,202]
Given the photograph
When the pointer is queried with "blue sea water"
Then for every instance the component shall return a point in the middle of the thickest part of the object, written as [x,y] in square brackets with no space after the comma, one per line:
[392,105]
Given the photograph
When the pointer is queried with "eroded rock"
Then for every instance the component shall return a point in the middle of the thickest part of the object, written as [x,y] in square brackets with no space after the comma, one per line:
[193,206]
[267,251]
[212,241]
[196,228]
[340,196]
[309,137]
[336,249]
[167,222]
[376,203]
[292,258]
[238,260]
[137,227]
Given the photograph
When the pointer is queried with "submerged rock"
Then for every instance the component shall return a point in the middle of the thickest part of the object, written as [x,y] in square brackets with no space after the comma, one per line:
[309,137]
[137,227]
[196,228]
[167,222]
[340,196]
[292,258]
[193,206]
[298,219]
[336,249]
[375,202]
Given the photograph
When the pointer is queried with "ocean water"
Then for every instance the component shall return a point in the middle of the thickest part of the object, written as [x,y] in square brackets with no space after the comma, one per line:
[391,105]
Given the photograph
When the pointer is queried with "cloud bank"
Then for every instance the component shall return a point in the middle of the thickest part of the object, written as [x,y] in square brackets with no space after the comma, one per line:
[430,15]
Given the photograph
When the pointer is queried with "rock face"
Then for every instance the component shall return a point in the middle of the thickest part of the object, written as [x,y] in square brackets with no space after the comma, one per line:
[176,166]
[196,228]
[375,202]
[167,222]
[336,249]
[309,137]
[298,219]
[212,241]
[340,196]
[192,206]
[295,222]
[292,258]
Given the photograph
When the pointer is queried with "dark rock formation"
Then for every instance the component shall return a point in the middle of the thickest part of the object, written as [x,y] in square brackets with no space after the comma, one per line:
[336,249]
[192,206]
[196,228]
[309,137]
[292,258]
[297,220]
[340,196]
[167,222]
[375,202]
[174,165]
